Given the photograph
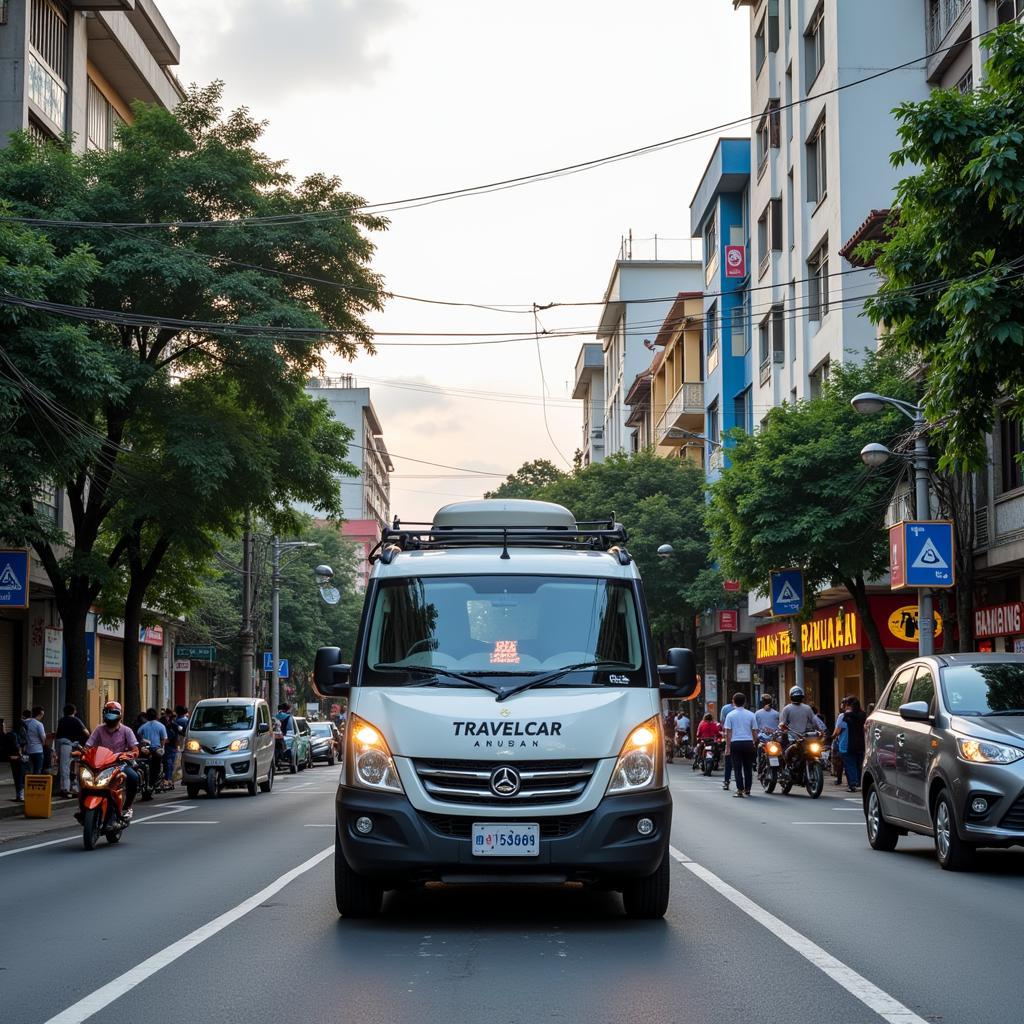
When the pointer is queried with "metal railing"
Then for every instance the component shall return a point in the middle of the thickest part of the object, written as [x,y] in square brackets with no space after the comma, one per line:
[687,401]
[942,15]
[766,371]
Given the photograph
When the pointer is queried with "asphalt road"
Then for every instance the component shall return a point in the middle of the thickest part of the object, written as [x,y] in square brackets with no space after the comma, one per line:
[223,911]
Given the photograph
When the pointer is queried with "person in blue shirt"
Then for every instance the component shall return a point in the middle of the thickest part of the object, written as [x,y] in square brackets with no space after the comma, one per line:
[155,733]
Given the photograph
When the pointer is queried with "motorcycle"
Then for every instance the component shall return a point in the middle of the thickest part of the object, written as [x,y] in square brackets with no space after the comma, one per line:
[801,765]
[707,755]
[284,758]
[683,748]
[148,767]
[101,795]
[769,759]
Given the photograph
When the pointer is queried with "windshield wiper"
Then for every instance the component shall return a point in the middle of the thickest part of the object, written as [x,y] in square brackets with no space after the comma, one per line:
[559,672]
[425,670]
[1008,711]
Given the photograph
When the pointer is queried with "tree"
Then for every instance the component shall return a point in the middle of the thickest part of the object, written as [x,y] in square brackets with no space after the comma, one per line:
[951,294]
[797,494]
[302,275]
[527,480]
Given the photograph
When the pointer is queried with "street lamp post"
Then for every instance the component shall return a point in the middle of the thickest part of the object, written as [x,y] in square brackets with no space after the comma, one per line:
[875,455]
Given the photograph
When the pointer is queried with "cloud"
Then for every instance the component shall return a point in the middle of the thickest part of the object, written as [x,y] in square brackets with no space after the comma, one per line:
[271,48]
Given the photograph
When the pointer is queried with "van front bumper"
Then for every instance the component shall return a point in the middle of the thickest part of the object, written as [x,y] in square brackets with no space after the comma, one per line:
[236,767]
[406,845]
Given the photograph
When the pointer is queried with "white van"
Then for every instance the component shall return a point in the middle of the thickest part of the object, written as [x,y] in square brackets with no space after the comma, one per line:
[504,711]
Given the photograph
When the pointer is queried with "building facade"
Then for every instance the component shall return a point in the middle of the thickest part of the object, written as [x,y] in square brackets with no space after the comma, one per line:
[588,388]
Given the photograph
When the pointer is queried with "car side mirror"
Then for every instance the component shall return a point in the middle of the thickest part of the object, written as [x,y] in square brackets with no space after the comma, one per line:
[679,676]
[263,727]
[916,711]
[330,676]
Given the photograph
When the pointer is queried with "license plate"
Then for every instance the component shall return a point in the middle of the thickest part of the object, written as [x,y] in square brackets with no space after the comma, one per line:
[773,761]
[213,762]
[496,839]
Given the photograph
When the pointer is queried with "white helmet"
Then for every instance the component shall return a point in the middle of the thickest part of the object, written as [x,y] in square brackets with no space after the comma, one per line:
[796,694]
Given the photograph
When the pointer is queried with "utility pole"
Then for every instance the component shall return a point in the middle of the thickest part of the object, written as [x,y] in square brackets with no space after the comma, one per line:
[275,616]
[925,617]
[248,638]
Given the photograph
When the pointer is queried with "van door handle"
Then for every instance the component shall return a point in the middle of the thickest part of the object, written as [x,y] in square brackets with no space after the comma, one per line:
[901,738]
[878,734]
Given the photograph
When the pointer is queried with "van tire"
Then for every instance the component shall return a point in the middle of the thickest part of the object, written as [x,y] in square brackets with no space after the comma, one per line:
[647,898]
[355,895]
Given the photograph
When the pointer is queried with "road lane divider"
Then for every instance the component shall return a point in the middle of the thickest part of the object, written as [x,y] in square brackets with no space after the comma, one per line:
[883,1004]
[104,996]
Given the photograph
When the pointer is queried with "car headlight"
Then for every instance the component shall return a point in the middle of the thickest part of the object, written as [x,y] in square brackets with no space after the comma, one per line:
[193,745]
[239,744]
[370,760]
[986,752]
[639,763]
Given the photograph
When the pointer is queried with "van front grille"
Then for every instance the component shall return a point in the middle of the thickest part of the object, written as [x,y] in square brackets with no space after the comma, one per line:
[459,827]
[469,782]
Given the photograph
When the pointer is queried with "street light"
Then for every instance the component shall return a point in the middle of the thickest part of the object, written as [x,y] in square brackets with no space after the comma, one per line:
[874,455]
[666,551]
[279,549]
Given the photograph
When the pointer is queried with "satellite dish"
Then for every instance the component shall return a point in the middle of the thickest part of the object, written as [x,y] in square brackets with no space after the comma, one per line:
[332,595]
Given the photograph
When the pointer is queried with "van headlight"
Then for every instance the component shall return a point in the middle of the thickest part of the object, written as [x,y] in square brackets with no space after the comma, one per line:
[986,752]
[370,761]
[239,744]
[639,763]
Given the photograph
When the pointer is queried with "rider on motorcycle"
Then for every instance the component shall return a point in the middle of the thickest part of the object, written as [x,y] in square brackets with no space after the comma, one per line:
[118,738]
[797,719]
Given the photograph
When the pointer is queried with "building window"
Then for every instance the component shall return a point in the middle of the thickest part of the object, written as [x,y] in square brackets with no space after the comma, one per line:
[102,121]
[712,337]
[788,96]
[773,25]
[814,46]
[769,233]
[714,422]
[47,60]
[817,163]
[47,504]
[740,339]
[817,282]
[1011,447]
[742,410]
[767,135]
[790,205]
[760,48]
[1008,10]
[966,82]
[817,378]
[711,239]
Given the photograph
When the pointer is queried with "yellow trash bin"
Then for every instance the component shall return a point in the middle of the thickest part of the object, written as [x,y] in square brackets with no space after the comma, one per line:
[38,796]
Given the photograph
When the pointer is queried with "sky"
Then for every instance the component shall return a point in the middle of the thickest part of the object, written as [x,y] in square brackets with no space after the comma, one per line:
[402,98]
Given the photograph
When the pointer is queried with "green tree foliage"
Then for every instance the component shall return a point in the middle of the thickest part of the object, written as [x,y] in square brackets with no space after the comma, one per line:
[797,494]
[527,480]
[131,382]
[952,267]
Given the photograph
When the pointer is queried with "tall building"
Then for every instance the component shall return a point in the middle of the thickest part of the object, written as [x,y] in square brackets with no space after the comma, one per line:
[589,389]
[75,66]
[368,495]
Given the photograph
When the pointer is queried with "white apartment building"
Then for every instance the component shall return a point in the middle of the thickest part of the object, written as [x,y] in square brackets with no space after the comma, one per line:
[75,66]
[368,495]
[639,295]
[589,389]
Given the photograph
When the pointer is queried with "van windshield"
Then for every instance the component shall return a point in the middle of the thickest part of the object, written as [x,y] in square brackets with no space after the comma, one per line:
[505,626]
[221,718]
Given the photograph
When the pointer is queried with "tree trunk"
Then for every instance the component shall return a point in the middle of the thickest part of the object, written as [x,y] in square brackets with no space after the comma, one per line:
[75,668]
[879,659]
[956,501]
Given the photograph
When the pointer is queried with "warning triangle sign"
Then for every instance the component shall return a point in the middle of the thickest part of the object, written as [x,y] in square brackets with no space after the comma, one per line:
[929,558]
[8,579]
[787,595]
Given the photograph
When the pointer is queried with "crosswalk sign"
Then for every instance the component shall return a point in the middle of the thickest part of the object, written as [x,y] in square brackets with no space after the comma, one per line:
[921,554]
[14,578]
[787,591]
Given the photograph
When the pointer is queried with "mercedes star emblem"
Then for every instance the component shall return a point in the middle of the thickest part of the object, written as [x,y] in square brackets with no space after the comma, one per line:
[505,781]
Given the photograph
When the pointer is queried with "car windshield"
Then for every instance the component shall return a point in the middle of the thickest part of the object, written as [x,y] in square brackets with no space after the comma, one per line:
[504,625]
[221,718]
[321,728]
[984,689]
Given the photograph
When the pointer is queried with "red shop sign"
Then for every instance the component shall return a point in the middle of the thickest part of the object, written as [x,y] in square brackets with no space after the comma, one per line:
[999,620]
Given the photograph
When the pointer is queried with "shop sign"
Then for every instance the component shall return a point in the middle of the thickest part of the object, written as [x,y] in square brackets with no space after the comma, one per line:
[743,672]
[999,620]
[903,623]
[731,586]
[736,261]
[53,651]
[182,665]
[830,631]
[152,635]
[728,621]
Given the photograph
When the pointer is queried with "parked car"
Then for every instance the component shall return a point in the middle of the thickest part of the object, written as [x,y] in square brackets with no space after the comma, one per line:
[302,743]
[326,741]
[945,756]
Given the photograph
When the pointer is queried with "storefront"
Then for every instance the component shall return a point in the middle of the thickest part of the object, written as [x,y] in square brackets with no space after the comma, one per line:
[1000,627]
[835,647]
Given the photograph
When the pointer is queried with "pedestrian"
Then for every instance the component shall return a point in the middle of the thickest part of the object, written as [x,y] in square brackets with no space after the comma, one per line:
[669,728]
[170,748]
[852,742]
[740,738]
[35,740]
[819,721]
[12,749]
[836,752]
[70,730]
[728,760]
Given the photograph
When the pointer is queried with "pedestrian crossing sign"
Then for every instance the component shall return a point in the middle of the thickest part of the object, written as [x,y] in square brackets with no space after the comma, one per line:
[787,591]
[14,581]
[921,554]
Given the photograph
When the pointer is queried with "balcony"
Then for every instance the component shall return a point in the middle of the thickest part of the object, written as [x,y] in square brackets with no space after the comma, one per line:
[949,22]
[688,401]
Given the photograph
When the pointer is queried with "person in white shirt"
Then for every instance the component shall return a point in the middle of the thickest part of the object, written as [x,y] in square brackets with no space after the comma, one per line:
[740,737]
[728,760]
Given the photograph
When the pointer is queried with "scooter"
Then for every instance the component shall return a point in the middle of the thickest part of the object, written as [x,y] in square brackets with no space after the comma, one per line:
[802,766]
[769,754]
[101,795]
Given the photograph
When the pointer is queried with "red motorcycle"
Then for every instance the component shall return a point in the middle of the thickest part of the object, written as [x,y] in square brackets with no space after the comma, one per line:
[101,795]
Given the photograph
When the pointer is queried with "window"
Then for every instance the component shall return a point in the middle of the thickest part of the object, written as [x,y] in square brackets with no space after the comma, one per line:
[1011,447]
[762,143]
[773,25]
[712,339]
[814,46]
[743,410]
[788,96]
[771,340]
[769,232]
[711,239]
[818,377]
[899,688]
[817,163]
[47,503]
[714,422]
[966,82]
[923,688]
[760,48]
[817,284]
[1008,10]
[767,135]
[778,334]
[738,332]
[790,205]
[47,60]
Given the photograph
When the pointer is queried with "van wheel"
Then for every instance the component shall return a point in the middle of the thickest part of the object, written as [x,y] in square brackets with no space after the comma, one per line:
[881,835]
[267,786]
[952,852]
[212,783]
[292,765]
[252,788]
[355,895]
[647,898]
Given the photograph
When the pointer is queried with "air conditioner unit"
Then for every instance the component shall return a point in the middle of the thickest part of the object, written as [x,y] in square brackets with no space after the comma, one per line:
[778,356]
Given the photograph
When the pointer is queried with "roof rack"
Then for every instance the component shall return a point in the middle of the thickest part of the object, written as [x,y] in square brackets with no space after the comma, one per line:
[596,535]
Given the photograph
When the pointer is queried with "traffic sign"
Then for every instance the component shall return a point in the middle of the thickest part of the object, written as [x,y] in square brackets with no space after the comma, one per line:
[282,665]
[921,554]
[787,591]
[14,578]
[268,661]
[282,668]
[195,652]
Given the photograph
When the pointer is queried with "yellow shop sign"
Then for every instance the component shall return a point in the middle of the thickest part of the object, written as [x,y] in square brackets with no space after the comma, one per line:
[903,623]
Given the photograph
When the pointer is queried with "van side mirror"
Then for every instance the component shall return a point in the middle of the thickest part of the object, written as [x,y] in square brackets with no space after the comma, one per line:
[679,676]
[916,711]
[263,727]
[330,676]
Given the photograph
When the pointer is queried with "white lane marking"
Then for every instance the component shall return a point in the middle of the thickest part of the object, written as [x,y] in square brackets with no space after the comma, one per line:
[888,1008]
[854,800]
[848,810]
[147,821]
[103,997]
[330,824]
[68,839]
[857,824]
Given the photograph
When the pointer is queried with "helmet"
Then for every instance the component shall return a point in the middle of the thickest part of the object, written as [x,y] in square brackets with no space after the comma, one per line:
[112,711]
[796,694]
